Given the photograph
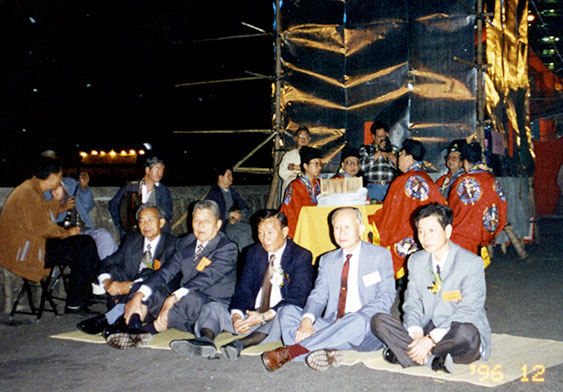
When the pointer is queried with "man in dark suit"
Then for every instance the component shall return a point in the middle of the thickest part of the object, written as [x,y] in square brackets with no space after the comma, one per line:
[354,283]
[444,309]
[277,272]
[134,262]
[205,264]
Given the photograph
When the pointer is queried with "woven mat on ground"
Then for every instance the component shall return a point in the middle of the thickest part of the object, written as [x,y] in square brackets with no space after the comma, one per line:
[512,357]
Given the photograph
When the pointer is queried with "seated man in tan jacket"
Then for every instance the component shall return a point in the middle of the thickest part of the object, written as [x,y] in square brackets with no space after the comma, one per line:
[31,242]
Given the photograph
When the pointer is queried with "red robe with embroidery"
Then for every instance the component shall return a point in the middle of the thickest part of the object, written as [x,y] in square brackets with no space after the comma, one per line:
[297,196]
[479,207]
[407,192]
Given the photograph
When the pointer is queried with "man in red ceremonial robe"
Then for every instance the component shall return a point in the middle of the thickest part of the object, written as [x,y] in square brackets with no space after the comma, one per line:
[478,203]
[411,190]
[302,191]
[455,167]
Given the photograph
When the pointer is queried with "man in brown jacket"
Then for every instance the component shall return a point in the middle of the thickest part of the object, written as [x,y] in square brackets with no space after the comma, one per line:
[31,242]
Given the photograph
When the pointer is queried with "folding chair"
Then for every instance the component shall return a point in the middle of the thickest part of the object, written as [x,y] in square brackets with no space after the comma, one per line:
[47,286]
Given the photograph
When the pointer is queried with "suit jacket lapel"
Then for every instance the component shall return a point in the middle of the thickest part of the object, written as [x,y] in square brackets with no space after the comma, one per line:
[449,261]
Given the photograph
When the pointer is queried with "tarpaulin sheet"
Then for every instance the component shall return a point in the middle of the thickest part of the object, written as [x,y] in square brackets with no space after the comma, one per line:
[348,62]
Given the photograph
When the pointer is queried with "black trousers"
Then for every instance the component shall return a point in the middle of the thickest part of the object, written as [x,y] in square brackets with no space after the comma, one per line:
[462,341]
[80,254]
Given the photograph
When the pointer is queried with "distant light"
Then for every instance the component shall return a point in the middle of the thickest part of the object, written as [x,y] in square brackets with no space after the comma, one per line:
[32,20]
[88,85]
[35,90]
[185,151]
[148,146]
[83,154]
[30,52]
[112,153]
[123,152]
[94,152]
[102,153]
[141,152]
[140,95]
[531,17]
[132,152]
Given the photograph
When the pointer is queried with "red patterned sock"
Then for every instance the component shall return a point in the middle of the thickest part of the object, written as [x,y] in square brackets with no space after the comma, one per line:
[296,350]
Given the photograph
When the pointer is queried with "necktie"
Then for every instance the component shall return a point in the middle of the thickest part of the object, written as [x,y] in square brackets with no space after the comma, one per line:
[438,269]
[198,251]
[146,261]
[267,286]
[343,288]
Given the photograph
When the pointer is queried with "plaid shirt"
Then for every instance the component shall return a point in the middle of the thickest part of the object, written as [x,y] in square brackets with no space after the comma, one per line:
[380,170]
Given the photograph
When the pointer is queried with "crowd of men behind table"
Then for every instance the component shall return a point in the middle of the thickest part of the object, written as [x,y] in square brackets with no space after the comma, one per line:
[208,282]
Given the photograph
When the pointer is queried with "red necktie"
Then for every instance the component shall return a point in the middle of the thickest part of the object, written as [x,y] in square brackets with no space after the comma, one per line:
[343,288]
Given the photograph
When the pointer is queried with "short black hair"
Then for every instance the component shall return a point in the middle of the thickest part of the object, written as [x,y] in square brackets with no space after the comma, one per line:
[45,166]
[471,152]
[220,171]
[442,212]
[304,129]
[307,154]
[414,148]
[377,124]
[152,161]
[267,214]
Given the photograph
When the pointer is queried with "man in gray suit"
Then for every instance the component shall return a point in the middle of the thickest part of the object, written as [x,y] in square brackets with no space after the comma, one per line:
[444,310]
[354,283]
[205,265]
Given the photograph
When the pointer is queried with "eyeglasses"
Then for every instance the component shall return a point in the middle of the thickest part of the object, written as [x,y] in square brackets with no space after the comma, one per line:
[303,136]
[352,163]
[315,163]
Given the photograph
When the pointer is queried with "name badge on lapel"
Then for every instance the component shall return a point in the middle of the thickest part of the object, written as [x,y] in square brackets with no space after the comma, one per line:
[156,264]
[449,296]
[371,279]
[203,264]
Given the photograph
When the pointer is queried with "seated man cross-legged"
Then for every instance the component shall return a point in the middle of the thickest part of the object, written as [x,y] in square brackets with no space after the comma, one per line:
[444,310]
[277,272]
[354,283]
[205,265]
[135,261]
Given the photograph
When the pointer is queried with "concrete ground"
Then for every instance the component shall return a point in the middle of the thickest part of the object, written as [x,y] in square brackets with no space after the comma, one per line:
[523,299]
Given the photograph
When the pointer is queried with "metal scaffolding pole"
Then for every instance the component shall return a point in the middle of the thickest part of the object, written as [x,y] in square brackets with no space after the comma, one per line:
[273,197]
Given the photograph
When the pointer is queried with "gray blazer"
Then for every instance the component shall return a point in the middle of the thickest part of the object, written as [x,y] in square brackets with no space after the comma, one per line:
[464,272]
[375,283]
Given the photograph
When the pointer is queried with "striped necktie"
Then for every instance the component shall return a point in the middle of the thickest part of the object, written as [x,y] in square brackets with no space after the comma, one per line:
[146,261]
[198,251]
[267,286]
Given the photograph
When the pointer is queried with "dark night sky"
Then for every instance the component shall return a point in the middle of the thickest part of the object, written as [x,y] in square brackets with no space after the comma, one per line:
[101,75]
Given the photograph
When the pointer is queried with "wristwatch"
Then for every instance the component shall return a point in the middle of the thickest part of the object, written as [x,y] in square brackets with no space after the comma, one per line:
[263,322]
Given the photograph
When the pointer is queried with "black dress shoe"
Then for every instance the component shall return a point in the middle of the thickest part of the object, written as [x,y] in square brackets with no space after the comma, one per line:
[389,356]
[444,363]
[118,327]
[232,350]
[94,325]
[82,310]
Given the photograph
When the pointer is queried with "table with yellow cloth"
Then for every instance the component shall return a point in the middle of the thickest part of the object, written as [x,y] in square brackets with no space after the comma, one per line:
[313,228]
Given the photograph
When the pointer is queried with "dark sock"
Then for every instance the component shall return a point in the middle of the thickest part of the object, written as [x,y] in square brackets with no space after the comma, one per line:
[135,321]
[149,328]
[253,339]
[296,350]
[207,333]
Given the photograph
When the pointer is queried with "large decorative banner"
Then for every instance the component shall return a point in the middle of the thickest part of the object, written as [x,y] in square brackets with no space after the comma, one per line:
[345,63]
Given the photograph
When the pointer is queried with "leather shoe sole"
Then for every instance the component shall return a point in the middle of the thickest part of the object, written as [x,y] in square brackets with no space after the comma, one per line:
[322,360]
[232,350]
[124,340]
[194,348]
